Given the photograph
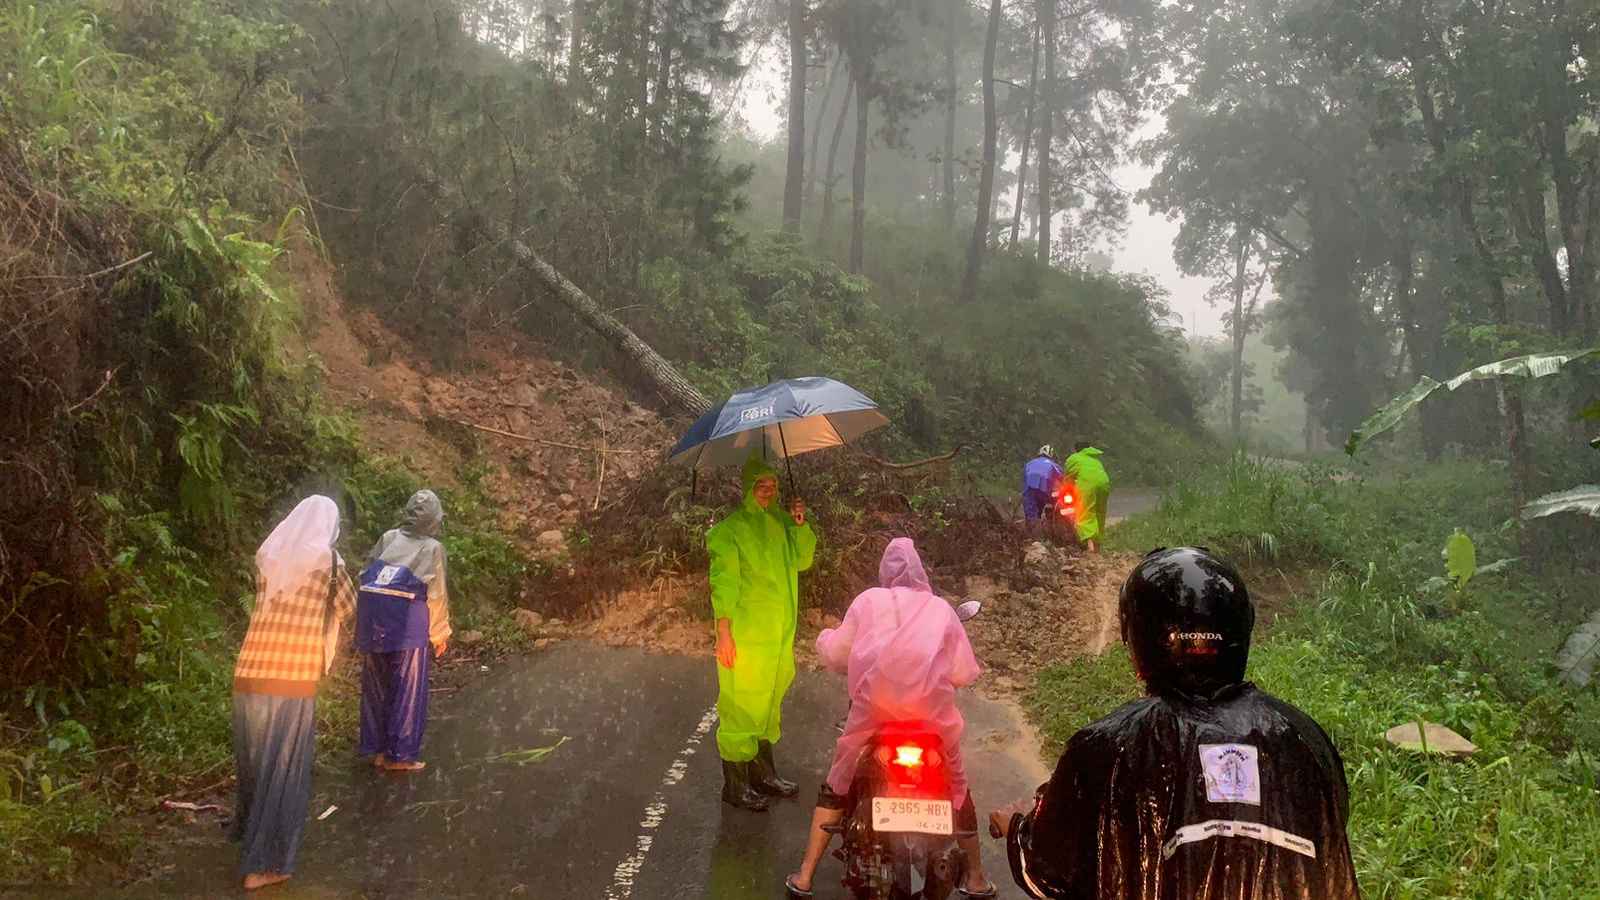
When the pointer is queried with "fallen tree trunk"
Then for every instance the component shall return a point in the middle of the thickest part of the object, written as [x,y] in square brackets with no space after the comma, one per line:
[677,392]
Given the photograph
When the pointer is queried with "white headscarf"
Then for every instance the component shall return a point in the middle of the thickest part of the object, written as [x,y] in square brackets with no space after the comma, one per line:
[300,545]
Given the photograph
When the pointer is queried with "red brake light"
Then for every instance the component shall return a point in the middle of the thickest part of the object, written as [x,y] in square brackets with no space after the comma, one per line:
[908,756]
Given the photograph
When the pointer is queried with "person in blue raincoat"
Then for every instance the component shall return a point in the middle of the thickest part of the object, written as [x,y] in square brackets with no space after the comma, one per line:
[1040,478]
[757,555]
[402,613]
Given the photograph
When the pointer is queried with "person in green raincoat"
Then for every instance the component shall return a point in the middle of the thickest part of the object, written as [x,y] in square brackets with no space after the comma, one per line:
[757,555]
[1083,468]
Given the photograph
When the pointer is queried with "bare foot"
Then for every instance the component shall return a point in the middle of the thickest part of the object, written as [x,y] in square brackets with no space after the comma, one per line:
[397,766]
[979,888]
[380,761]
[255,881]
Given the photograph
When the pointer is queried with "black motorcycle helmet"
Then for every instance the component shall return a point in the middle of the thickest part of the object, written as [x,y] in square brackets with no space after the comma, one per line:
[1186,618]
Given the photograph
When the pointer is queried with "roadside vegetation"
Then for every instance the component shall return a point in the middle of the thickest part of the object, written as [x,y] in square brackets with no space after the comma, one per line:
[1378,642]
[157,162]
[561,174]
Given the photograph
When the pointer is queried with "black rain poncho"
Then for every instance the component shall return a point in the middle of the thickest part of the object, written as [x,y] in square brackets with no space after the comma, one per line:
[1233,796]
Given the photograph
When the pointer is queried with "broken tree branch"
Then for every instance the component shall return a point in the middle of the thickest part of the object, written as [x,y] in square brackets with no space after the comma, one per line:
[901,467]
[120,266]
[541,441]
[90,399]
[600,482]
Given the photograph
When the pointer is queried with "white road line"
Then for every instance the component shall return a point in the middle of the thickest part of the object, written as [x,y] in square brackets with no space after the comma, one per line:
[656,812]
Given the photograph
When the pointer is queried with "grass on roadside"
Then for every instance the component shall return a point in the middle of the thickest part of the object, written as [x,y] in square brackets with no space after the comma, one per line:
[1521,818]
[82,764]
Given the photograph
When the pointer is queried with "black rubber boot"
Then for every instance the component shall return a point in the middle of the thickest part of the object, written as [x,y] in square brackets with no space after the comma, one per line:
[764,775]
[737,790]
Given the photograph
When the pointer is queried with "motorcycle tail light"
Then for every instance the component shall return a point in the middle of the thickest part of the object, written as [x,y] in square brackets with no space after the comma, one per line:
[908,756]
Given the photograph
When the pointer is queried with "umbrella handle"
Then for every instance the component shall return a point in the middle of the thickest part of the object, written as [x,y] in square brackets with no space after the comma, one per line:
[788,461]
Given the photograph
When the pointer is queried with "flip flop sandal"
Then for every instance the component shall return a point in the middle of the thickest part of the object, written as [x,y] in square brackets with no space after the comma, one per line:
[989,892]
[794,892]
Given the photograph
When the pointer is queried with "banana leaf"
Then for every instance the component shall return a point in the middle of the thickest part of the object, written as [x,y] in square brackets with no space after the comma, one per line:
[1582,499]
[1390,415]
[1536,365]
[1577,658]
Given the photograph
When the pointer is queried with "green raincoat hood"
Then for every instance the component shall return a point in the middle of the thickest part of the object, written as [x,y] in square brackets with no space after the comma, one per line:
[755,470]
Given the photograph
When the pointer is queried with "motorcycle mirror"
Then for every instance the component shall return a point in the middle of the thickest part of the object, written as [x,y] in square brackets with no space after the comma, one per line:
[968,609]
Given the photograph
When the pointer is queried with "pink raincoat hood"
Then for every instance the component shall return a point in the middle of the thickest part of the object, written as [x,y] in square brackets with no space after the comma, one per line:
[904,653]
[901,567]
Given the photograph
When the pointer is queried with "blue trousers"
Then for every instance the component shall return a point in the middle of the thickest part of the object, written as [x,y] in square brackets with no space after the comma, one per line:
[1036,504]
[394,703]
[274,740]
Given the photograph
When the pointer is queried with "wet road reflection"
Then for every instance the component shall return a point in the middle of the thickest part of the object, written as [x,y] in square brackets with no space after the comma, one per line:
[572,824]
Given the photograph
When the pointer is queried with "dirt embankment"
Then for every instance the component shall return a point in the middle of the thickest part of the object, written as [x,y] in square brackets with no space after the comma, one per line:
[588,438]
[586,465]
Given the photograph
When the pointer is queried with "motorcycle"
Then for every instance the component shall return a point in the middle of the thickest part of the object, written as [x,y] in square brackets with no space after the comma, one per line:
[899,822]
[1062,521]
[1066,505]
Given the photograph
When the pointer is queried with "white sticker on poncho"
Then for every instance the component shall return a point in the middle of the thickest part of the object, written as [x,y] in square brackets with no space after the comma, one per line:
[1232,775]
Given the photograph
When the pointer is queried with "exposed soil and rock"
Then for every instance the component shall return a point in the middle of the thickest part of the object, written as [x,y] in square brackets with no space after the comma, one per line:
[588,438]
[586,468]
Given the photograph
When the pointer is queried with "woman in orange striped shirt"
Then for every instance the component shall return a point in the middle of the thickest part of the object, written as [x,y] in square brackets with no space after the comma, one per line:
[303,595]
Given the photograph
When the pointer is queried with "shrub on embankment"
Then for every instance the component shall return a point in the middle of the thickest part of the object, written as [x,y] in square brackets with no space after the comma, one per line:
[156,422]
[1372,649]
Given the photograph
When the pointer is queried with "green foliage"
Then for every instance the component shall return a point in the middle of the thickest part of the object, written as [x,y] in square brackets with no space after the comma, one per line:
[1517,819]
[615,143]
[1251,509]
[165,128]
[1046,357]
[1537,365]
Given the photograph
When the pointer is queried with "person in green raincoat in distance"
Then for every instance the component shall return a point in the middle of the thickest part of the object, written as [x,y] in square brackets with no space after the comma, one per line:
[757,555]
[1083,468]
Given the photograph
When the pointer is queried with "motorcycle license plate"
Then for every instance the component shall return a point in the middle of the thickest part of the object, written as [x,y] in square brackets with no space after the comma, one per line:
[922,816]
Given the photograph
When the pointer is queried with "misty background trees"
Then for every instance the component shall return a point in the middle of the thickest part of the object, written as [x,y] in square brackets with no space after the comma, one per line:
[1383,190]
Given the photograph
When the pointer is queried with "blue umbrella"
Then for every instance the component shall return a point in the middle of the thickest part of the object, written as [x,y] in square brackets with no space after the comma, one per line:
[784,419]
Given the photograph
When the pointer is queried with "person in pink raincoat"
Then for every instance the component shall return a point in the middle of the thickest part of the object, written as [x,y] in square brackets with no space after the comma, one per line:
[904,653]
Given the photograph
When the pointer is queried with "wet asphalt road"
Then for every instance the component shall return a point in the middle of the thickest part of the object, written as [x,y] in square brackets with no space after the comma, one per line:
[1130,502]
[626,808]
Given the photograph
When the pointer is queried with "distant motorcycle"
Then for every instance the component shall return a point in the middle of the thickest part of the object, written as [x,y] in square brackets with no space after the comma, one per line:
[899,823]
